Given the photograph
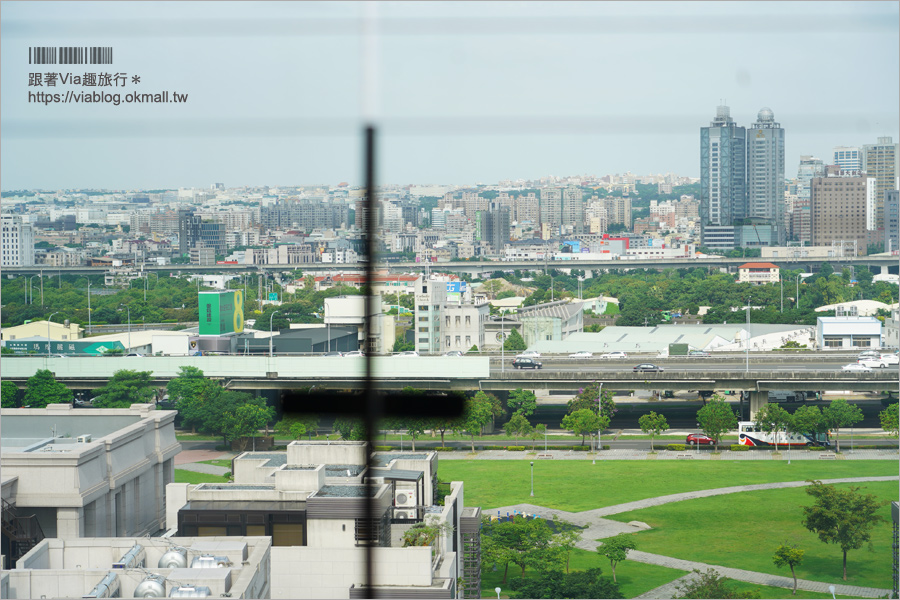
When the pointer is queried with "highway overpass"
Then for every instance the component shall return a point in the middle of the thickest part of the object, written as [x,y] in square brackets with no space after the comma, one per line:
[880,262]
[462,373]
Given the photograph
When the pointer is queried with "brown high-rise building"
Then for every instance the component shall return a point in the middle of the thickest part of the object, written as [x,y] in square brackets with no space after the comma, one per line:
[838,212]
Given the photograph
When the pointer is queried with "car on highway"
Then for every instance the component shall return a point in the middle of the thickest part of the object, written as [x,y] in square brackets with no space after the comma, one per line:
[699,439]
[890,359]
[648,368]
[581,355]
[453,353]
[700,353]
[613,355]
[335,353]
[856,367]
[407,354]
[353,353]
[877,362]
[868,354]
[529,354]
[134,354]
[526,363]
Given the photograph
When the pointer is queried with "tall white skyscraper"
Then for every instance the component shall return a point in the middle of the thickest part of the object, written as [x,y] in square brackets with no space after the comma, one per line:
[17,242]
[765,172]
[848,158]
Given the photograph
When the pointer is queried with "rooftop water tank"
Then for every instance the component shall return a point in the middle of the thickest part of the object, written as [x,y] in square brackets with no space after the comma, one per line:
[190,591]
[153,586]
[207,561]
[174,558]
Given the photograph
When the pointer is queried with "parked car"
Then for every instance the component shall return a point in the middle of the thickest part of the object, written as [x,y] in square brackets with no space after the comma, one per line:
[407,354]
[529,354]
[698,353]
[699,439]
[453,353]
[526,363]
[610,355]
[647,367]
[581,355]
[856,367]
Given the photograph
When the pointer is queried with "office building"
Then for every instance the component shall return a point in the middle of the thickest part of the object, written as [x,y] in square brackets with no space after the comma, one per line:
[723,178]
[765,173]
[881,162]
[17,242]
[194,231]
[892,221]
[572,210]
[848,158]
[838,212]
[551,208]
[495,227]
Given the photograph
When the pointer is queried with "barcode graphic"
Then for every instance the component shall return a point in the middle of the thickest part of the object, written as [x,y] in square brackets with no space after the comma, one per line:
[70,55]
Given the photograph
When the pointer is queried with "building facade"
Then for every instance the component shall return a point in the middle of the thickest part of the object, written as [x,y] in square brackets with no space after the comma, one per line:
[892,221]
[17,242]
[723,177]
[765,173]
[758,273]
[881,162]
[838,212]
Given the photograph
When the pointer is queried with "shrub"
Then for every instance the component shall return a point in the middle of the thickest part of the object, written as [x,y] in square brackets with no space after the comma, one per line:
[815,448]
[676,447]
[739,448]
[581,448]
[516,448]
[444,449]
[606,446]
[383,448]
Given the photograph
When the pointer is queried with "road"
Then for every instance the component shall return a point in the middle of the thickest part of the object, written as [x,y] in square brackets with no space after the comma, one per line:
[712,364]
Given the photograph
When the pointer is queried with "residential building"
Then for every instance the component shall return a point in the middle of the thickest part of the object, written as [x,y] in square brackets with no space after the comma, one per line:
[495,227]
[463,326]
[572,210]
[94,473]
[882,161]
[618,210]
[892,221]
[758,273]
[201,255]
[551,208]
[132,567]
[194,230]
[838,211]
[17,242]
[765,173]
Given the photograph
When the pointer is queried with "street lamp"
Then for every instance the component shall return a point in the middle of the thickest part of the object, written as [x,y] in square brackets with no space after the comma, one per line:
[799,276]
[48,332]
[532,479]
[32,289]
[272,316]
[129,326]
[498,590]
[747,352]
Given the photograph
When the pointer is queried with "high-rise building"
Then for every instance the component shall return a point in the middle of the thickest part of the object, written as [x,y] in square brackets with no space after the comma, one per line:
[723,179]
[551,207]
[810,167]
[838,212]
[573,209]
[881,162]
[765,173]
[18,242]
[892,221]
[848,158]
[495,226]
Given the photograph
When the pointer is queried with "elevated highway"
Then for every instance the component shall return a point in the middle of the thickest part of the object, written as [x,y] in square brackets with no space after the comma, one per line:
[445,373]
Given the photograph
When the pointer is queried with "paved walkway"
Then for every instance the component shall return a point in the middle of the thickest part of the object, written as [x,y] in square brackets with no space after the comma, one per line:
[199,467]
[635,454]
[596,527]
[191,456]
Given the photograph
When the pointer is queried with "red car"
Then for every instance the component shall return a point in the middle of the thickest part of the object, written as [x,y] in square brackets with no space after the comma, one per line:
[698,438]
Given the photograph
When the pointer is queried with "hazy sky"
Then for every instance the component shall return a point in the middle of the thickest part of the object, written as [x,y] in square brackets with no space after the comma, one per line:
[464,92]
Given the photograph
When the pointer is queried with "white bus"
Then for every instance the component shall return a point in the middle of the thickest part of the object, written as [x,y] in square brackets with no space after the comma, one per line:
[750,435]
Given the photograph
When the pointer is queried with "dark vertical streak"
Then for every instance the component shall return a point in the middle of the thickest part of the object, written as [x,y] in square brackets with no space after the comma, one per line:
[373,401]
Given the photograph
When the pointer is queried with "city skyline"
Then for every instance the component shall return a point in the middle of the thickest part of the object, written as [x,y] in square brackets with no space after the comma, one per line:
[463,94]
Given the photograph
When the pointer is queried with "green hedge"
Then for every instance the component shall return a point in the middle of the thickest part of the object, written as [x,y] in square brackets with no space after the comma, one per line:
[676,447]
[444,449]
[876,447]
[581,448]
[516,448]
[383,448]
[739,448]
[815,448]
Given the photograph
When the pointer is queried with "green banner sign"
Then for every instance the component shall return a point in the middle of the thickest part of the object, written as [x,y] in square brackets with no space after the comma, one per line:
[83,348]
[221,312]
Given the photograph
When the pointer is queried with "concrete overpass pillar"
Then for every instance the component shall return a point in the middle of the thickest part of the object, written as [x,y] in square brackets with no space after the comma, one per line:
[757,401]
[884,270]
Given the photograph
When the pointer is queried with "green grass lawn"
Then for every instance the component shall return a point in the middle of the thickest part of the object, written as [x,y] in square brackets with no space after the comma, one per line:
[192,477]
[769,592]
[743,530]
[578,485]
[218,463]
[634,578]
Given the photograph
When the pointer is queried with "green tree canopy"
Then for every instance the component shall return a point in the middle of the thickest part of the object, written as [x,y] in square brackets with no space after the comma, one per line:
[124,388]
[844,517]
[244,420]
[514,342]
[556,584]
[43,389]
[522,401]
[840,413]
[616,549]
[652,424]
[476,414]
[10,395]
[790,556]
[584,422]
[536,433]
[808,420]
[587,398]
[716,418]
[516,426]
[711,585]
[773,419]
[523,542]
[888,417]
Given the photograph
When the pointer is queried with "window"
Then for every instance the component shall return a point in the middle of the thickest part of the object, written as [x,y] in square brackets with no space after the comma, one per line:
[287,534]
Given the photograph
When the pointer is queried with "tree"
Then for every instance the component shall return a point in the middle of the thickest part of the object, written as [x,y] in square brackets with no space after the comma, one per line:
[584,422]
[10,394]
[843,517]
[791,556]
[616,549]
[473,349]
[587,398]
[514,342]
[193,406]
[711,585]
[522,401]
[808,421]
[244,421]
[350,429]
[124,388]
[556,584]
[186,388]
[536,433]
[476,414]
[516,426]
[840,413]
[716,418]
[567,537]
[43,389]
[889,418]
[653,424]
[771,418]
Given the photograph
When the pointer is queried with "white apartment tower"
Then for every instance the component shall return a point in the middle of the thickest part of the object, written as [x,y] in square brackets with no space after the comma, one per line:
[17,242]
[765,172]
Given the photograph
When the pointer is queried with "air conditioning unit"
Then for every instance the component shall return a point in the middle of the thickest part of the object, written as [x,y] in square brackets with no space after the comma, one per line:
[83,439]
[405,514]
[404,498]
